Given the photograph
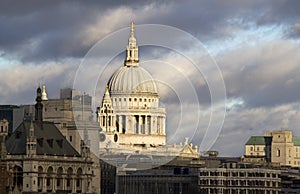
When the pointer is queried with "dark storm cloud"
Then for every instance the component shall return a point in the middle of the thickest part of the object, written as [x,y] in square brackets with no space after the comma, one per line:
[46,30]
[38,30]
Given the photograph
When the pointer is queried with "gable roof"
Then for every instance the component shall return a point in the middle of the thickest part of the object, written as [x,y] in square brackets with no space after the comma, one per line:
[50,140]
[259,140]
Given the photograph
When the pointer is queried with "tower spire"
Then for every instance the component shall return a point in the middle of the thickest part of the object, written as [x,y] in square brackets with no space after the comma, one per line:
[132,29]
[132,58]
[39,106]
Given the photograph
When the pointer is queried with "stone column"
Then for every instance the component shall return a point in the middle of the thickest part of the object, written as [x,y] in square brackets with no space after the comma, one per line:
[158,125]
[83,184]
[53,184]
[129,124]
[44,183]
[140,124]
[120,124]
[117,123]
[63,182]
[73,184]
[163,125]
[153,123]
[150,125]
[146,125]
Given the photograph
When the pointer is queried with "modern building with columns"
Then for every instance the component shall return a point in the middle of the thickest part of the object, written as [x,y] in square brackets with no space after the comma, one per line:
[130,113]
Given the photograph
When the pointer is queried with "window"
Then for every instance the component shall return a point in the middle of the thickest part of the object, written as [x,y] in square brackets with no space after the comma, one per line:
[278,152]
[71,138]
[251,148]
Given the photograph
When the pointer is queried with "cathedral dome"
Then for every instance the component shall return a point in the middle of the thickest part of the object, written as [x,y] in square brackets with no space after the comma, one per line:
[130,80]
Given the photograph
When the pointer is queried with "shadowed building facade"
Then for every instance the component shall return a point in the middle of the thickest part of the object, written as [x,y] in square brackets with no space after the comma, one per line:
[43,161]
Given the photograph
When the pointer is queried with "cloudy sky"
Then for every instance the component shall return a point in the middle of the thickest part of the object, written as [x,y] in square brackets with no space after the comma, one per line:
[256,45]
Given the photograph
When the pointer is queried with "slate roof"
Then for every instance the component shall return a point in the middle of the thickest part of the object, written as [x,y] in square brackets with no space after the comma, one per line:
[50,140]
[259,140]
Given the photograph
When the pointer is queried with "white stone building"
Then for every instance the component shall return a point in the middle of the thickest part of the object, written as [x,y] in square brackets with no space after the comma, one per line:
[130,113]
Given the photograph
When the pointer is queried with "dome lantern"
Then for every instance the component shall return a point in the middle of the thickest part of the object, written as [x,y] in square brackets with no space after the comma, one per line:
[132,58]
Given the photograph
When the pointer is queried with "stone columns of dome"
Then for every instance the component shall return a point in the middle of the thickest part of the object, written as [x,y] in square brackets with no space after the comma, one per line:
[132,124]
[120,124]
[146,125]
[140,124]
[143,124]
[126,123]
[158,125]
[154,125]
[163,125]
[134,128]
[129,126]
[151,125]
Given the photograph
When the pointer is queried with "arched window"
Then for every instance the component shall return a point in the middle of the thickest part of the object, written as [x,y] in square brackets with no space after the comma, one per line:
[40,178]
[49,181]
[18,177]
[278,152]
[78,180]
[69,179]
[59,182]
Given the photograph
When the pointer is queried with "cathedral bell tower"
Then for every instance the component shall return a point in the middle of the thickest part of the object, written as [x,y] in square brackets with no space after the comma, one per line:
[105,114]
